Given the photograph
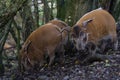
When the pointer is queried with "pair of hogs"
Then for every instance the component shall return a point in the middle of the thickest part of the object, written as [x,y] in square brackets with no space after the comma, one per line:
[96,29]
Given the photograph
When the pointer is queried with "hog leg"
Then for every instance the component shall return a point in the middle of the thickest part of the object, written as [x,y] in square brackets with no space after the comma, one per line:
[52,56]
[116,45]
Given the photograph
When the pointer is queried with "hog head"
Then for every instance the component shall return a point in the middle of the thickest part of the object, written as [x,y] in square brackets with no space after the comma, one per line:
[80,36]
[28,61]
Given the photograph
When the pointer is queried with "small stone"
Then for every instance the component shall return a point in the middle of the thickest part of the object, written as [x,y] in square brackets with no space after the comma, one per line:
[46,65]
[80,72]
[43,77]
[106,61]
[63,68]
[107,64]
[66,78]
[77,62]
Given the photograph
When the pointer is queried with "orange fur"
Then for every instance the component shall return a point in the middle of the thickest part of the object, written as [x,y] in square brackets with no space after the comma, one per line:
[59,23]
[44,42]
[102,24]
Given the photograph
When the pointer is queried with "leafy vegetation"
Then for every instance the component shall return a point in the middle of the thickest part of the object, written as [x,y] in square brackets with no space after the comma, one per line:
[19,18]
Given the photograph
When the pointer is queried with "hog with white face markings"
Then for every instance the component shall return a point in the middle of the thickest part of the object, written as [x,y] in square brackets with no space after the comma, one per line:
[93,27]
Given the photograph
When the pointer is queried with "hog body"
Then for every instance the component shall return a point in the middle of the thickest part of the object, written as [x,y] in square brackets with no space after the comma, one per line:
[93,27]
[42,42]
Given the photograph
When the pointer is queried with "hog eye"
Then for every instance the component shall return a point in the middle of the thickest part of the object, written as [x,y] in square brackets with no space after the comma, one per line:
[74,36]
[74,42]
[81,33]
[85,39]
[93,47]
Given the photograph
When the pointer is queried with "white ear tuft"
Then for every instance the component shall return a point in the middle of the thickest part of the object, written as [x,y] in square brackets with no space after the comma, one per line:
[55,19]
[100,8]
[87,34]
[86,22]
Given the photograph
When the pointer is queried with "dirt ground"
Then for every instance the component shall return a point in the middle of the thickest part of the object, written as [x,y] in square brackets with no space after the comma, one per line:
[70,70]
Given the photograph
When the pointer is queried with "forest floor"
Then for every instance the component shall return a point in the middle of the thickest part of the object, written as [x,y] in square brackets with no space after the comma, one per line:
[70,70]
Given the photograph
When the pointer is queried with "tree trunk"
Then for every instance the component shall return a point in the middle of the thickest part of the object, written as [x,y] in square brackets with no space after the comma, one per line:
[61,9]
[36,13]
[46,11]
[2,42]
[11,11]
[28,24]
[116,11]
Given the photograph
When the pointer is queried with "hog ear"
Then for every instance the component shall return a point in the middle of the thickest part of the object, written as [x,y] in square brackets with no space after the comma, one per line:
[27,61]
[68,29]
[76,30]
[26,46]
[85,23]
